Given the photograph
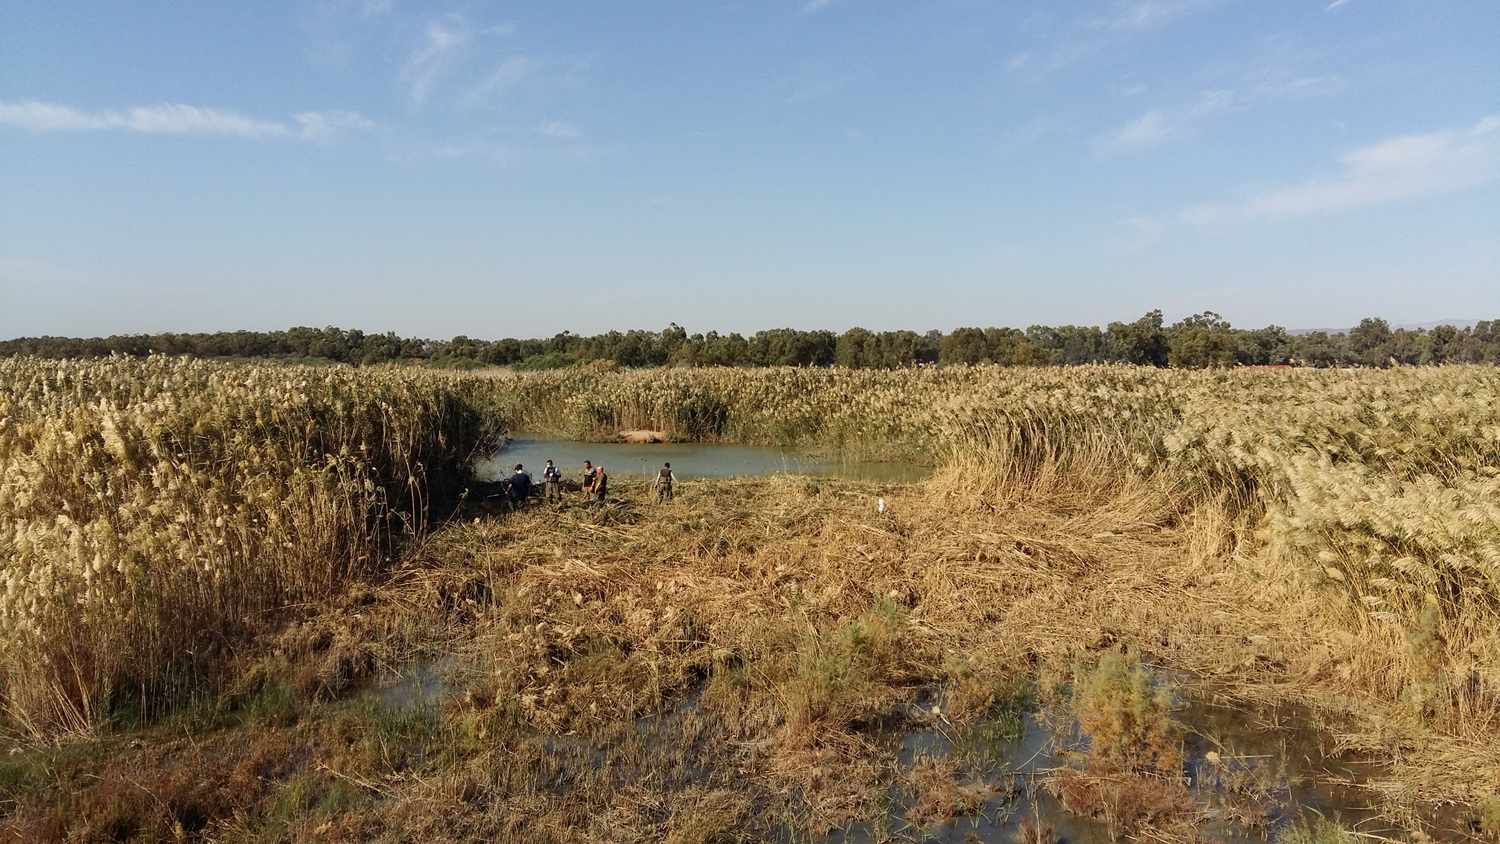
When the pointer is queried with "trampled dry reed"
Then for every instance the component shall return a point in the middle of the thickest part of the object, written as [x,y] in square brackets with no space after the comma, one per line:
[1328,539]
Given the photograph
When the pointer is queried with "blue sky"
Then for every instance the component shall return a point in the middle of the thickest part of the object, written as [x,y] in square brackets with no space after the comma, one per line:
[502,169]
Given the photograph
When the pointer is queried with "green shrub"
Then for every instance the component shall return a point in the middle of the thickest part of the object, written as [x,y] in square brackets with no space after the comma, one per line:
[1127,717]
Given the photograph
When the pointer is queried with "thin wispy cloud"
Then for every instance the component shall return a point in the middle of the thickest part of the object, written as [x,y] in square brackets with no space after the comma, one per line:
[1142,15]
[1300,87]
[496,83]
[1396,169]
[337,29]
[484,151]
[323,126]
[1285,67]
[360,8]
[1159,126]
[442,40]
[1162,125]
[812,7]
[178,119]
[1335,4]
[1062,42]
[559,130]
[1150,129]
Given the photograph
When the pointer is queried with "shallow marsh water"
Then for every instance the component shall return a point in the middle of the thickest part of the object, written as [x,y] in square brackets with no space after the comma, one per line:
[1271,766]
[690,461]
[1240,763]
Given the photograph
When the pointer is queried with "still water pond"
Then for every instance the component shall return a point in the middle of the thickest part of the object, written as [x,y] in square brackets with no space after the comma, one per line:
[689,461]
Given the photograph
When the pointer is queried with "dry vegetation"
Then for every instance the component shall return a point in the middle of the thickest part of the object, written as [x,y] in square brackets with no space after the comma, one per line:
[153,511]
[739,663]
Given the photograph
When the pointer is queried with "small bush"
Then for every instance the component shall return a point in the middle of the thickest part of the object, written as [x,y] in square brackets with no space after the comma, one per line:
[1126,803]
[1034,830]
[22,774]
[550,360]
[848,676]
[1127,718]
[1003,697]
[1319,831]
[380,739]
[1488,812]
[713,817]
[939,794]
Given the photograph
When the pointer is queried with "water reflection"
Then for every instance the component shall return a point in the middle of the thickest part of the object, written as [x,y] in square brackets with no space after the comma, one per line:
[1251,775]
[689,461]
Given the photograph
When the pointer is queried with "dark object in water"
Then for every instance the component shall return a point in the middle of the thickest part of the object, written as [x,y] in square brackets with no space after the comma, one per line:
[498,490]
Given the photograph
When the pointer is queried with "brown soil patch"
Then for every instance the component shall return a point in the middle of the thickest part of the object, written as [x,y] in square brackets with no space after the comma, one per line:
[643,437]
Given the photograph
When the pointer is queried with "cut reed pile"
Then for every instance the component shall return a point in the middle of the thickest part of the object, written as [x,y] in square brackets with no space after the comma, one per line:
[155,510]
[804,620]
[1379,490]
[737,665]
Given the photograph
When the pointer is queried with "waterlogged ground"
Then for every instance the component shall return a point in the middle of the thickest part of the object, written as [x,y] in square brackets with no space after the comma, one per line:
[758,660]
[689,461]
[1252,774]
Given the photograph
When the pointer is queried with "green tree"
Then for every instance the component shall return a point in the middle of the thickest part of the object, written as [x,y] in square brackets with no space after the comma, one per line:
[852,350]
[1442,342]
[1201,340]
[1143,342]
[1368,341]
[964,345]
[1269,345]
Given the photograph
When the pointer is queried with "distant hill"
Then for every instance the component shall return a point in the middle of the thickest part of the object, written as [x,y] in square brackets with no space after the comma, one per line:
[1409,326]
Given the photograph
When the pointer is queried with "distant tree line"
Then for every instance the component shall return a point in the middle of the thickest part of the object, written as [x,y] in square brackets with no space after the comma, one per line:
[1201,340]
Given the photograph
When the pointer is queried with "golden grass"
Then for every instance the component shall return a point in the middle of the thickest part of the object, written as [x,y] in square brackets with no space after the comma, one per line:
[1327,539]
[770,633]
[157,511]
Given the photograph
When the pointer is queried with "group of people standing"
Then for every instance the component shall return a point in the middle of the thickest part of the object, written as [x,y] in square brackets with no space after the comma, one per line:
[594,483]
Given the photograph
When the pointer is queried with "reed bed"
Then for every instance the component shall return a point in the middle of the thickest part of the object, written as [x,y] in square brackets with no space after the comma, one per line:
[1380,489]
[1373,494]
[155,511]
[1324,538]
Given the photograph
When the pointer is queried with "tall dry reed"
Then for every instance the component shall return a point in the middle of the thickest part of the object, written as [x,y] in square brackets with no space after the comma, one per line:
[155,510]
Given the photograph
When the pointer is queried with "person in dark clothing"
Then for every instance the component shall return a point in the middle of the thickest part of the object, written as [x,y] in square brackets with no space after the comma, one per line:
[520,486]
[551,483]
[601,484]
[590,474]
[663,483]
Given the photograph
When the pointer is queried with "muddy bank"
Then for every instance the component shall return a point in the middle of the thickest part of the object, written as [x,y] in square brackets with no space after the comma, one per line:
[641,437]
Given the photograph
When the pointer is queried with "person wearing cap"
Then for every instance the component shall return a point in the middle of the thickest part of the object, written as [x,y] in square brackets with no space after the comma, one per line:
[663,483]
[551,483]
